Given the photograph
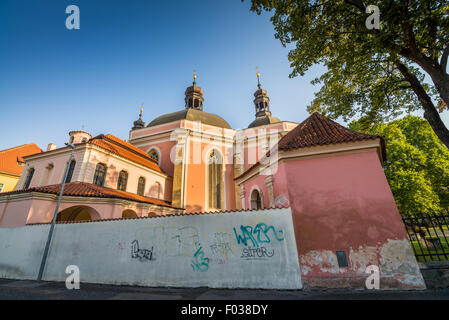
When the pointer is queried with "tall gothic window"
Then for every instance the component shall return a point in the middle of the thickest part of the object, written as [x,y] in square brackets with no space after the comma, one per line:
[141,186]
[256,200]
[70,172]
[154,155]
[29,178]
[122,180]
[100,174]
[215,174]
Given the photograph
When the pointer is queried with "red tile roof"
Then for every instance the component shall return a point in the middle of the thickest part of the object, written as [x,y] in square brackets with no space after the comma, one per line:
[83,189]
[125,150]
[318,130]
[122,149]
[9,158]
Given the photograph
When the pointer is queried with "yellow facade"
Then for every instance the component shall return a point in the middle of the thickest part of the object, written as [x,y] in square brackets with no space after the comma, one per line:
[9,181]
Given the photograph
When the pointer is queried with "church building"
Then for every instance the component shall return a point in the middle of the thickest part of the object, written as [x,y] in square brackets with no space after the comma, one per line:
[192,162]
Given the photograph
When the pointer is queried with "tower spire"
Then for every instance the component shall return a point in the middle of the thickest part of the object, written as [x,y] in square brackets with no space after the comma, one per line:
[261,101]
[139,123]
[194,96]
[258,76]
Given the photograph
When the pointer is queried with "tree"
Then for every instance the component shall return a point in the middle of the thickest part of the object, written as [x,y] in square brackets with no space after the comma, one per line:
[417,165]
[377,73]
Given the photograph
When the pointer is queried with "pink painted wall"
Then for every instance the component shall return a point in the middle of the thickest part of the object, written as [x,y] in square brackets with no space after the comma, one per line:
[165,149]
[344,203]
[55,176]
[257,182]
[19,213]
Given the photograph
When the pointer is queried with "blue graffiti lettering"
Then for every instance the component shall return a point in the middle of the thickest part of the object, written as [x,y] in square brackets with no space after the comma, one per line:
[261,231]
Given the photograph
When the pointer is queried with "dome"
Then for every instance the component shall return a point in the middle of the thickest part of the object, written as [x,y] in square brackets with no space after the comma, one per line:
[261,121]
[191,115]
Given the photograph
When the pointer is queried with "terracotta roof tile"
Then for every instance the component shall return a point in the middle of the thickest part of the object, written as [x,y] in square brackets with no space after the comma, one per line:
[125,150]
[83,189]
[318,130]
[9,158]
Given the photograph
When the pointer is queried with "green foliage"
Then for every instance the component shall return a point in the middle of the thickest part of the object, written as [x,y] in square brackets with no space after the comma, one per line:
[363,76]
[417,165]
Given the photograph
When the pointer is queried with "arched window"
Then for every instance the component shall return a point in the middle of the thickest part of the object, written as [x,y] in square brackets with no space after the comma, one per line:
[100,174]
[70,172]
[215,184]
[256,200]
[154,155]
[28,178]
[141,186]
[122,180]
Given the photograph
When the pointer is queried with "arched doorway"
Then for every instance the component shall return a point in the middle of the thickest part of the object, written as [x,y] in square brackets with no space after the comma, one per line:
[256,199]
[78,213]
[128,214]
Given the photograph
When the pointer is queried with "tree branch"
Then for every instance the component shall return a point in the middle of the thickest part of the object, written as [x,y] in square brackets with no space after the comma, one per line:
[358,4]
[430,112]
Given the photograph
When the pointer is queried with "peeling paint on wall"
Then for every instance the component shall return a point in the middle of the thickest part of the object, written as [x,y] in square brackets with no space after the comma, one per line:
[395,259]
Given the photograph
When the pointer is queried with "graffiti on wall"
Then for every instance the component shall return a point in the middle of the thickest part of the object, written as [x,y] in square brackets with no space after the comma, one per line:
[183,241]
[199,261]
[141,254]
[221,244]
[258,235]
[255,240]
[256,253]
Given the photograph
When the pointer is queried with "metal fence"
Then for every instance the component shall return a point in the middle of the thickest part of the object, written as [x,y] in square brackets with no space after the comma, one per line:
[429,236]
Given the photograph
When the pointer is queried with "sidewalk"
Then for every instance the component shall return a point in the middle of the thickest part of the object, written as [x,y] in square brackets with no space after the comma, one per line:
[24,289]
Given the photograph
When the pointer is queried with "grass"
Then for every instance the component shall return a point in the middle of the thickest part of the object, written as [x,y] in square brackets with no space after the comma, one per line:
[419,249]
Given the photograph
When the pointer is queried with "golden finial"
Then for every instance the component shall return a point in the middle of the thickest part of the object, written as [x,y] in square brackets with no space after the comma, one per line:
[194,76]
[258,76]
[141,110]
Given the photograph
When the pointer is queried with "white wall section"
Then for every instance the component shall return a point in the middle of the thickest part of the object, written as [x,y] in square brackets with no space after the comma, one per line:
[255,249]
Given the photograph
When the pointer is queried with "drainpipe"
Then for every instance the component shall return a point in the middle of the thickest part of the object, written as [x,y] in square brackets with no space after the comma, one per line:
[53,221]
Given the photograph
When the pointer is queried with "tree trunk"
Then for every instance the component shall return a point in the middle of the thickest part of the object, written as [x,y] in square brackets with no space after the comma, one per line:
[430,112]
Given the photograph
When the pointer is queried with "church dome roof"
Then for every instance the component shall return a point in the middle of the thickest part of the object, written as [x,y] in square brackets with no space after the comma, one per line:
[261,121]
[192,115]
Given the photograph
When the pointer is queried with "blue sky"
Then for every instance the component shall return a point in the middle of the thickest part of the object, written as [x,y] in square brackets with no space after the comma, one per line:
[54,80]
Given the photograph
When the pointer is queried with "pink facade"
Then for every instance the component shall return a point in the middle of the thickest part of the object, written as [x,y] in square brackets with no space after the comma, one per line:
[342,202]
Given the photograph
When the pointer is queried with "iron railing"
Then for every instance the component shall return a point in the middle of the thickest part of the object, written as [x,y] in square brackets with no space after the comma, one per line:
[429,236]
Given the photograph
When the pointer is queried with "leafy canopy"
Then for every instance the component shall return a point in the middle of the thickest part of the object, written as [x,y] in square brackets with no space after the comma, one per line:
[417,165]
[379,74]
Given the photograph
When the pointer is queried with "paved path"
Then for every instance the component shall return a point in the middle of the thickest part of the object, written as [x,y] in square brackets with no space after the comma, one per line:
[14,290]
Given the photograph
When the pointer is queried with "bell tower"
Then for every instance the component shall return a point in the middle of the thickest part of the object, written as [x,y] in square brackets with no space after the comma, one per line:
[194,96]
[139,123]
[261,101]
